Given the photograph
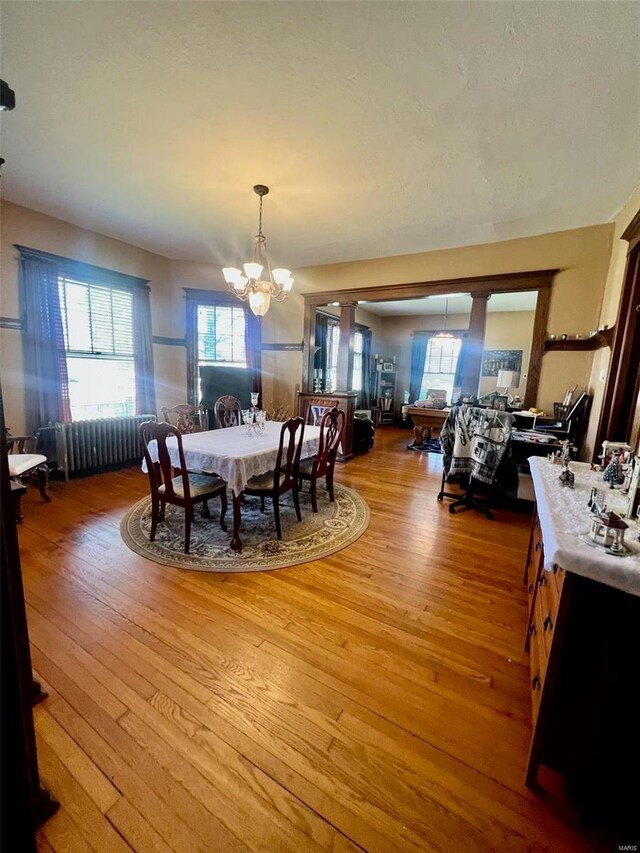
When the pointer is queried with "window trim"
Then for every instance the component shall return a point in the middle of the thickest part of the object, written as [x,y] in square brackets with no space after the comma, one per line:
[90,273]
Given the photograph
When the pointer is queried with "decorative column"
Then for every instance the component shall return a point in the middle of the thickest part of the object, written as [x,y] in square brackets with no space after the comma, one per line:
[344,373]
[470,379]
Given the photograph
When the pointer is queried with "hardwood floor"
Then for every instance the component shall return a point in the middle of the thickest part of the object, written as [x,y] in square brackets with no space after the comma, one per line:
[374,700]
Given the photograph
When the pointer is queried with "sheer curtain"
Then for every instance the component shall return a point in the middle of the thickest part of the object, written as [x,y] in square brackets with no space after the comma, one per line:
[143,352]
[46,379]
[418,356]
[367,388]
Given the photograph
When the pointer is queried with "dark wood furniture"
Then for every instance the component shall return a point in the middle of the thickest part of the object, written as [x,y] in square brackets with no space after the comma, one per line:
[25,804]
[429,419]
[185,417]
[324,463]
[345,401]
[227,412]
[184,490]
[620,411]
[283,478]
[582,639]
[385,396]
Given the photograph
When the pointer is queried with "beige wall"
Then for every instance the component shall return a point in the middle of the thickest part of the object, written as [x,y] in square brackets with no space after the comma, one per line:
[609,311]
[581,256]
[283,324]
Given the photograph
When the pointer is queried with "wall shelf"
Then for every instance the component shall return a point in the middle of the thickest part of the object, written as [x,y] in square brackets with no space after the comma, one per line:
[597,341]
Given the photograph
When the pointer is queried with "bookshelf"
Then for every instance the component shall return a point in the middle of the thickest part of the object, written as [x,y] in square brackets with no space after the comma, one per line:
[385,395]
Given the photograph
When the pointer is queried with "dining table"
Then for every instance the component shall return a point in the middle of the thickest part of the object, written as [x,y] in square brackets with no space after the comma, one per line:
[236,454]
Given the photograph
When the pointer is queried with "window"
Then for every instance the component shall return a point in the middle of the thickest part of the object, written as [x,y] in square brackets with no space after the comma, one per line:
[358,350]
[220,336]
[98,338]
[440,365]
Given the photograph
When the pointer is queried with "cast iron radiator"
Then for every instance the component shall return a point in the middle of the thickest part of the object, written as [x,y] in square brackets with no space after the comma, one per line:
[86,447]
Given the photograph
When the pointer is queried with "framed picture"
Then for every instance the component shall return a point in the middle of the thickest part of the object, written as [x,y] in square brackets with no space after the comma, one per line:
[388,366]
[500,403]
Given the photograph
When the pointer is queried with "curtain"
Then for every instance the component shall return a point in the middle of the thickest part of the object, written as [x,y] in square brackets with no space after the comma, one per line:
[367,388]
[461,367]
[253,343]
[143,353]
[46,380]
[418,357]
[320,357]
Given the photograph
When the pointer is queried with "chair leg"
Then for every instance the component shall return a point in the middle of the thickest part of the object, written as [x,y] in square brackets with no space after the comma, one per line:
[43,482]
[155,517]
[163,506]
[296,503]
[330,483]
[205,510]
[276,515]
[223,508]
[188,512]
[314,494]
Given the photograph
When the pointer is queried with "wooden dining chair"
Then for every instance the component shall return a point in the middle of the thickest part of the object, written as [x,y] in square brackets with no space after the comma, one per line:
[323,463]
[184,490]
[186,418]
[283,478]
[227,412]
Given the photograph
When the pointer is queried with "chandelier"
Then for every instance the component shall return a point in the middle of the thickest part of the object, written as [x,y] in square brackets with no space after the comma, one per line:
[444,333]
[260,283]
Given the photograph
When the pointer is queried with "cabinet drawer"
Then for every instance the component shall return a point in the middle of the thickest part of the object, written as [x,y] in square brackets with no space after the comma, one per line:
[557,574]
[545,620]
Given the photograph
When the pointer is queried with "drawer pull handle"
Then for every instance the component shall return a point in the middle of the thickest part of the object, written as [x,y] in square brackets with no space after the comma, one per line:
[530,588]
[535,682]
[555,568]
[547,624]
[532,630]
[543,579]
[537,546]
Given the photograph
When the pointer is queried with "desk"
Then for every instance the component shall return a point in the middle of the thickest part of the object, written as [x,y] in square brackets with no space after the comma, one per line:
[236,456]
[426,418]
[584,612]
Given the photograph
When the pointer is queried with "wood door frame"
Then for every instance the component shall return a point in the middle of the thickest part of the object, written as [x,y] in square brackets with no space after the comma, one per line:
[623,385]
[538,280]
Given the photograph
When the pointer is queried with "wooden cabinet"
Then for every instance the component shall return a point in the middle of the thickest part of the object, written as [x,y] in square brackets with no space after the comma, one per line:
[386,396]
[584,647]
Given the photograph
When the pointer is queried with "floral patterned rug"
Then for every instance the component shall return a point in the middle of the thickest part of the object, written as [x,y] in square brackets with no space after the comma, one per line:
[332,528]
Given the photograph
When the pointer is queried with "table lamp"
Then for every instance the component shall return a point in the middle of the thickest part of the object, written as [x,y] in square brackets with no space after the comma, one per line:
[508,379]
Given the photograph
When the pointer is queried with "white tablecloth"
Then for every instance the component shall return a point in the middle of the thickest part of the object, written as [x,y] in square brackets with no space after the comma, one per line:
[565,521]
[232,453]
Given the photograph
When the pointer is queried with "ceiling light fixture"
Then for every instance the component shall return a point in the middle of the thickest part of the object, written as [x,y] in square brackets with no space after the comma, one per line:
[254,285]
[444,333]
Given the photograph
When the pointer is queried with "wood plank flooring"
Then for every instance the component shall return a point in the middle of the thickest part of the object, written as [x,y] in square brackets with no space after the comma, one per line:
[375,700]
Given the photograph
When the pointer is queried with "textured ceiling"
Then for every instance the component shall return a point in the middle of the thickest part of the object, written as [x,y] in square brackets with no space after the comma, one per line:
[382,128]
[457,304]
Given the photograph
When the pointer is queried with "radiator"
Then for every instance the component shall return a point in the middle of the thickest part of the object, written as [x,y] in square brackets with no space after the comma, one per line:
[86,447]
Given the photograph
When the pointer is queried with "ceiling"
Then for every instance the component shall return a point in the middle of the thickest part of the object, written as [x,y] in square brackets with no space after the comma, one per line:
[382,128]
[456,304]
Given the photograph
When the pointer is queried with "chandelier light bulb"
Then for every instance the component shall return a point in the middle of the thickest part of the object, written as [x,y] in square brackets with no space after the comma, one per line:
[253,271]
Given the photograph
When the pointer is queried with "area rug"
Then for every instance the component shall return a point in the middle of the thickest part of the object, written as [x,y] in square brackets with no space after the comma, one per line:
[432,445]
[332,528]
